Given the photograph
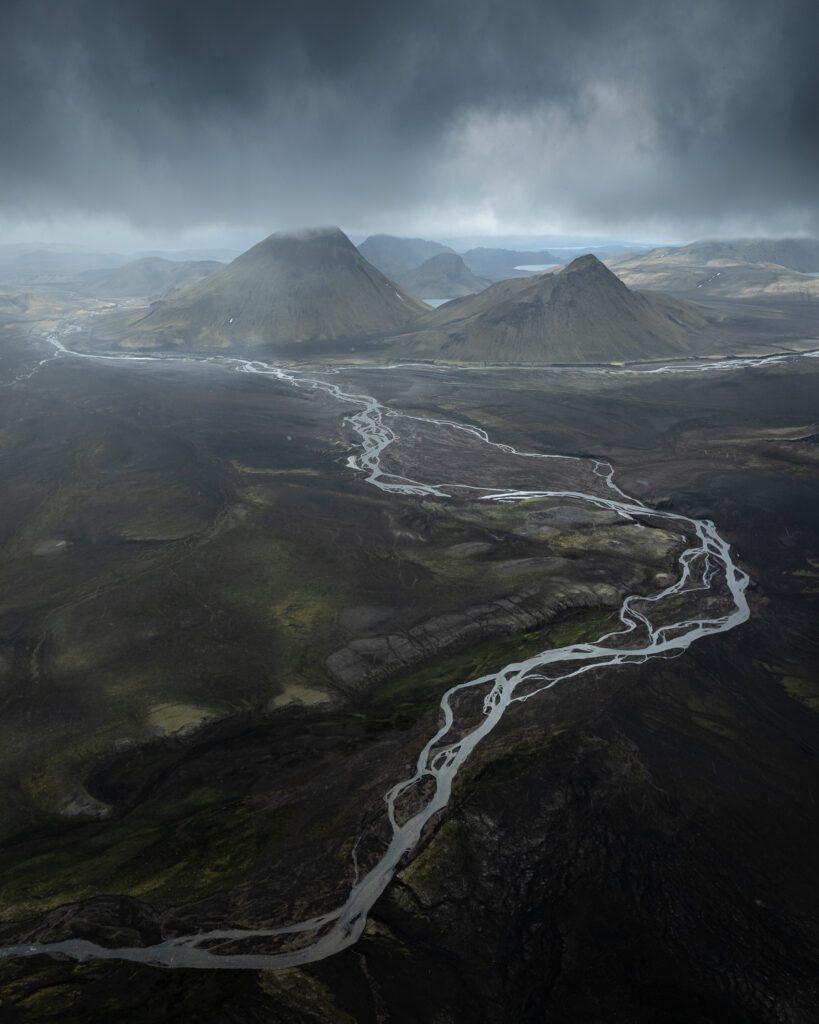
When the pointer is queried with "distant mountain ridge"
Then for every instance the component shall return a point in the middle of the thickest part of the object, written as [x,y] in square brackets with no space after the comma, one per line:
[584,313]
[149,276]
[31,265]
[736,268]
[289,288]
[313,292]
[800,254]
[395,256]
[444,276]
[499,264]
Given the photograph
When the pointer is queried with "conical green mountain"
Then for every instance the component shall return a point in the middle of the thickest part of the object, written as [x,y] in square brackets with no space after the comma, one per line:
[582,314]
[306,286]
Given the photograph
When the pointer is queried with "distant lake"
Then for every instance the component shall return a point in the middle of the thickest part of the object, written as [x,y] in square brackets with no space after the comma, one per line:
[537,267]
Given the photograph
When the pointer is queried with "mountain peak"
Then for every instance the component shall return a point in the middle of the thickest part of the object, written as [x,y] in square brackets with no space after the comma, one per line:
[590,275]
[294,286]
[445,259]
[307,234]
[318,236]
[583,314]
[585,264]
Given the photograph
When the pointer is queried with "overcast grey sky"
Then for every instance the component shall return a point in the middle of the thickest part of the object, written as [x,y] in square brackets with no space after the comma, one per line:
[206,121]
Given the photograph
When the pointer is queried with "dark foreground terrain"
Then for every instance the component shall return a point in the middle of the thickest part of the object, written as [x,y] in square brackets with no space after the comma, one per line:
[220,646]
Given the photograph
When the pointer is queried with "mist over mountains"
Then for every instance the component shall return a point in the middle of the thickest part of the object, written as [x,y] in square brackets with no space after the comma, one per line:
[149,276]
[690,120]
[316,287]
[412,621]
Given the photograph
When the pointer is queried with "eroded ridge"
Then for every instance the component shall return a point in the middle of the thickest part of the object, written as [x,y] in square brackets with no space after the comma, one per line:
[705,565]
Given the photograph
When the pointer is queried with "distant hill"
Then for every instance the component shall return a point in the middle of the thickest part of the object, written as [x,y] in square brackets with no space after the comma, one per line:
[444,276]
[739,268]
[582,314]
[13,302]
[150,276]
[306,286]
[34,265]
[800,254]
[498,264]
[395,256]
[217,255]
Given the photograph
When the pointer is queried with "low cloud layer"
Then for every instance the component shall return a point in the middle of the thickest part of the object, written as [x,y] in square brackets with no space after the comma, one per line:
[646,118]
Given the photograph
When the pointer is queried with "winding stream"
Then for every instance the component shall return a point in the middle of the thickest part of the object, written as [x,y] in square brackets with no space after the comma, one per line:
[705,565]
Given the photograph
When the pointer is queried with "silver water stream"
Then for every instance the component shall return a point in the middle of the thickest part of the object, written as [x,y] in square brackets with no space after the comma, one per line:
[705,565]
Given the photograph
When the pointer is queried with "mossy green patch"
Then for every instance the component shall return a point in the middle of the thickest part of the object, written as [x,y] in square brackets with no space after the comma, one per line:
[402,701]
[509,763]
[305,994]
[170,718]
[168,853]
[582,627]
[806,691]
[446,855]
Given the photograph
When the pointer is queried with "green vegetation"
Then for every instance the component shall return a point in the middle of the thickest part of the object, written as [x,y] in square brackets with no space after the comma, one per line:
[581,627]
[804,690]
[446,858]
[167,851]
[400,702]
[306,995]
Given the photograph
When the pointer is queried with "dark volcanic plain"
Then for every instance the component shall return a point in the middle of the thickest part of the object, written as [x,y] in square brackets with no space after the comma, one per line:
[203,704]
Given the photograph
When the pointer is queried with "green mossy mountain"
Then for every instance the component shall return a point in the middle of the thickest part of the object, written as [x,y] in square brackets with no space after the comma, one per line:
[305,286]
[582,314]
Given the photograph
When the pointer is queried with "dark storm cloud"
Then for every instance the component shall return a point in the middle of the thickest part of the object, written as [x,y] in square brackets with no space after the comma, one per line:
[582,112]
